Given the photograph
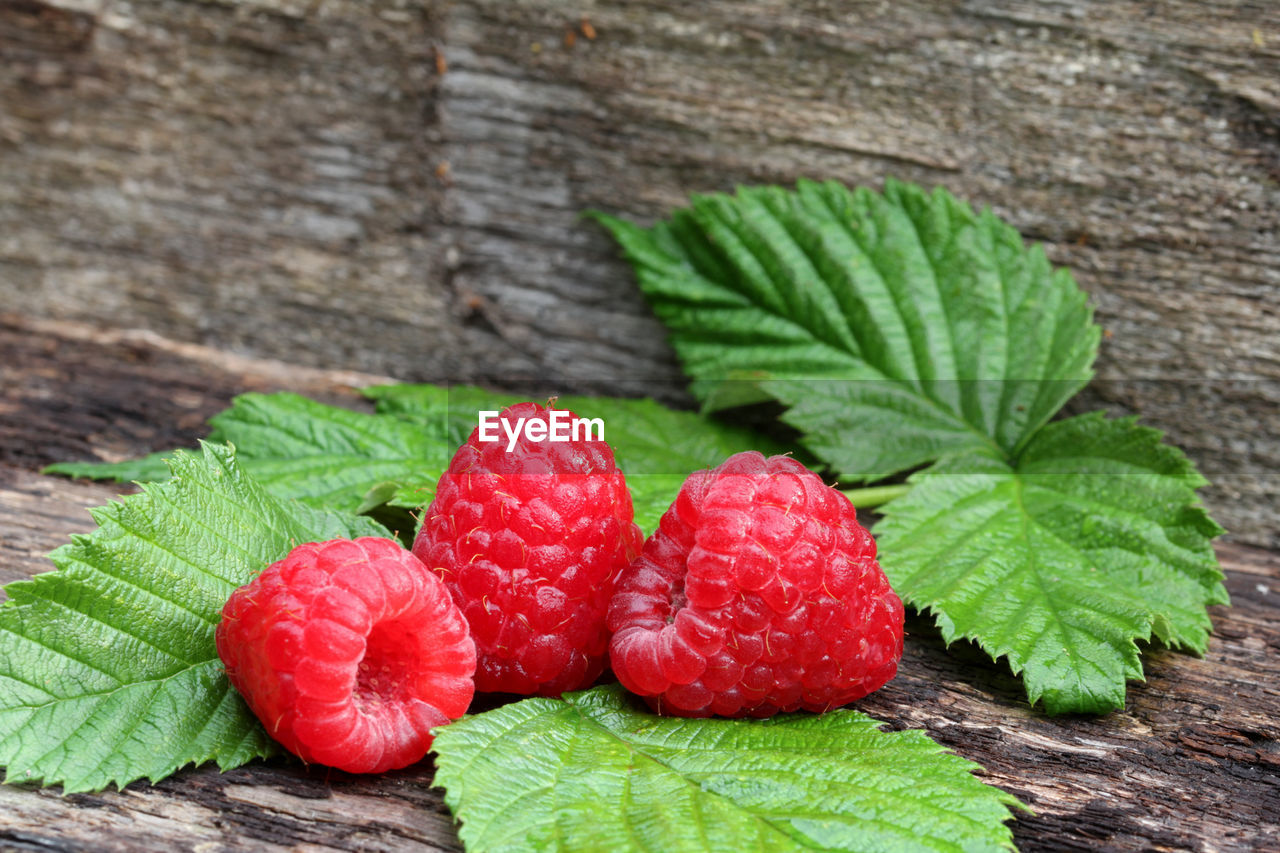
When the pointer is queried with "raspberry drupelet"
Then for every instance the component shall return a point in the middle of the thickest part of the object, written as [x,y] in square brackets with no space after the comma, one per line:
[758,593]
[530,543]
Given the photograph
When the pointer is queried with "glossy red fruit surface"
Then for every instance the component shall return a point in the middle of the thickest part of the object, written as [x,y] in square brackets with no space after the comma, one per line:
[530,542]
[759,593]
[349,652]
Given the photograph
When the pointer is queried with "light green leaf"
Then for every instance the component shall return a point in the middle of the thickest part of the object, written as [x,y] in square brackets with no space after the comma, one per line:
[448,410]
[1095,540]
[897,327]
[108,669]
[148,469]
[655,446]
[652,495]
[592,773]
[333,457]
[321,455]
[329,456]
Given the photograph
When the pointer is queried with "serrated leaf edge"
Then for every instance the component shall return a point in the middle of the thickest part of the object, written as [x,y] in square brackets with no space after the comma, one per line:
[914,737]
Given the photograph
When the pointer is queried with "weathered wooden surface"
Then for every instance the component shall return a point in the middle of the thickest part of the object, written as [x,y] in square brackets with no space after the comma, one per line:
[395,186]
[69,391]
[1193,762]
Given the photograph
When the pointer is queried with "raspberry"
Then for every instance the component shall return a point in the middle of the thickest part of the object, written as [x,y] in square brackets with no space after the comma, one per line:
[349,652]
[759,593]
[530,543]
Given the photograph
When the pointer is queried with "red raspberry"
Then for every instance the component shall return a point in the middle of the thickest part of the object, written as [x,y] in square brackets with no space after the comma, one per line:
[349,652]
[530,543]
[759,593]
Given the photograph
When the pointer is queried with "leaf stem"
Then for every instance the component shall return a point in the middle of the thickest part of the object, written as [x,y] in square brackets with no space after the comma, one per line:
[875,495]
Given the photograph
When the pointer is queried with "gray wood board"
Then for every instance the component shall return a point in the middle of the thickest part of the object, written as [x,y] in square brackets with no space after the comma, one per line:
[396,186]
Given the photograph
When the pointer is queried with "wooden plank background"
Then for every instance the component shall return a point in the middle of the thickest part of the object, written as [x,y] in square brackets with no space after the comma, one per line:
[396,186]
[313,194]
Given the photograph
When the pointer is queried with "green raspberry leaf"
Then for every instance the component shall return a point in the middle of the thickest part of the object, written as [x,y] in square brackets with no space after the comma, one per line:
[320,455]
[1093,541]
[108,669]
[333,457]
[655,446]
[897,327]
[534,775]
[149,469]
[448,410]
[652,495]
[329,456]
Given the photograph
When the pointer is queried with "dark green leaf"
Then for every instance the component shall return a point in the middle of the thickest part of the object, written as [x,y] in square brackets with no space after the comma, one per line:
[897,326]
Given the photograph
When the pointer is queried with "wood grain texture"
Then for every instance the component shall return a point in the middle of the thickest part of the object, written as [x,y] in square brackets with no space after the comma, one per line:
[72,392]
[396,186]
[1191,763]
